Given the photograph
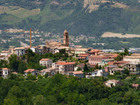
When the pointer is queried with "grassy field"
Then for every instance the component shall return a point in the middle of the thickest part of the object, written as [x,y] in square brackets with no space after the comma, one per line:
[111,34]
[18,11]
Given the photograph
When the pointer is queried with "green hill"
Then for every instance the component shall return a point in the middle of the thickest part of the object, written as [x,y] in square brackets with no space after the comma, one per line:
[77,16]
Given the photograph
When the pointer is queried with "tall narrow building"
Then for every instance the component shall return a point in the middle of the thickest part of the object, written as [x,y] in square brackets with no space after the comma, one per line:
[66,39]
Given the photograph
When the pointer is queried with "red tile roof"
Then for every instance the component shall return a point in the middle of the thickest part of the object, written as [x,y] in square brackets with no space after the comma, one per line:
[135,85]
[121,62]
[4,51]
[44,59]
[83,55]
[29,70]
[65,63]
[110,63]
[5,69]
[78,72]
[95,50]
[95,56]
[114,55]
[14,72]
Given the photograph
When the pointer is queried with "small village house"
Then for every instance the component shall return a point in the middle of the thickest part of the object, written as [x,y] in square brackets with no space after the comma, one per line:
[32,71]
[46,62]
[113,82]
[96,59]
[121,63]
[5,72]
[132,58]
[64,66]
[20,51]
[94,52]
[134,68]
[79,74]
[49,71]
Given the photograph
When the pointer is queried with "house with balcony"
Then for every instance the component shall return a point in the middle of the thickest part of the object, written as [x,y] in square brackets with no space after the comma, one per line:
[20,51]
[64,66]
[134,68]
[46,62]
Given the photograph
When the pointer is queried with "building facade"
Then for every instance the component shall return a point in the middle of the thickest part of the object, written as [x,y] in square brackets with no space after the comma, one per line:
[96,59]
[64,66]
[46,62]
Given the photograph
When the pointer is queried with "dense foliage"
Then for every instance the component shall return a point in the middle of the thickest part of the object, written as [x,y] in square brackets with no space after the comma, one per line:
[64,90]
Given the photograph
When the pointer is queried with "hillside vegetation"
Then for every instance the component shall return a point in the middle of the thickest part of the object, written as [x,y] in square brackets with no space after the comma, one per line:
[93,17]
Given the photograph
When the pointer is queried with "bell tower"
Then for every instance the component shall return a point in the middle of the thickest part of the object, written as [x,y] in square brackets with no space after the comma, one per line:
[66,39]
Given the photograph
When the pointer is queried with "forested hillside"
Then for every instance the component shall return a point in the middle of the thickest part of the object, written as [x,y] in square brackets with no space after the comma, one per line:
[77,16]
[64,90]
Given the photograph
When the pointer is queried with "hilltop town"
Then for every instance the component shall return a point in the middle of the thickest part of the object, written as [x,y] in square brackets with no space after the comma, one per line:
[58,64]
[60,57]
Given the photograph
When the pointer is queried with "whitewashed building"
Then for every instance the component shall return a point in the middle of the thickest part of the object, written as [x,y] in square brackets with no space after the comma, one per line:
[20,51]
[46,62]
[5,72]
[113,82]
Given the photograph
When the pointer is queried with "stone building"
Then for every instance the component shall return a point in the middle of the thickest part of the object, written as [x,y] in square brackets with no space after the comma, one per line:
[133,68]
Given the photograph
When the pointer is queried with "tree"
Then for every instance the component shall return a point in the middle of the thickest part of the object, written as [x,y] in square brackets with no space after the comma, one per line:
[126,71]
[46,75]
[31,77]
[126,51]
[39,100]
[79,69]
[30,55]
[118,58]
[13,62]
[63,51]
[11,101]
[97,67]
[85,68]
[22,67]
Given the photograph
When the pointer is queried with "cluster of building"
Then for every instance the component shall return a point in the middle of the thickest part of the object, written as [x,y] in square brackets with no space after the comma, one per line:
[92,56]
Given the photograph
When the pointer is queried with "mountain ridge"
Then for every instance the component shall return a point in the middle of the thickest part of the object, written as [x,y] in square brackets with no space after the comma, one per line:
[56,15]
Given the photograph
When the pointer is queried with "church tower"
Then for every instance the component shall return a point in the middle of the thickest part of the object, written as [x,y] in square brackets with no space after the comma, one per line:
[66,39]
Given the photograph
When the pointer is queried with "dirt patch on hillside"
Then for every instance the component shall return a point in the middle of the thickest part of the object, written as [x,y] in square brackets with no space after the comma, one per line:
[92,8]
[111,34]
[54,2]
[120,5]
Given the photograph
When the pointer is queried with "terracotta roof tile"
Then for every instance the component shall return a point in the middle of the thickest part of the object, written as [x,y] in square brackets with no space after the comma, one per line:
[121,62]
[95,50]
[135,85]
[5,69]
[95,56]
[110,63]
[65,63]
[44,59]
[78,72]
[29,70]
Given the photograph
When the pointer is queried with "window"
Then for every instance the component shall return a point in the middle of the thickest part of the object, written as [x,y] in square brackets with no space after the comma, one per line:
[5,72]
[95,73]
